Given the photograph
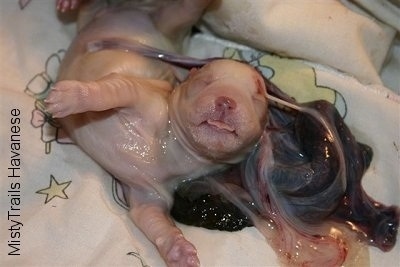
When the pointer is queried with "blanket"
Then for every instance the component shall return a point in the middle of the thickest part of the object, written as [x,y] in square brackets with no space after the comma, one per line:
[59,208]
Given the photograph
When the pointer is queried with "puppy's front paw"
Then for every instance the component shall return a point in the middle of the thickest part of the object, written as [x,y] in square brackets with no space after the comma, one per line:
[66,98]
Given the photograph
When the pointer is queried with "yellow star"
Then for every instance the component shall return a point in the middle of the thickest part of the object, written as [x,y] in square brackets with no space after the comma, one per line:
[55,189]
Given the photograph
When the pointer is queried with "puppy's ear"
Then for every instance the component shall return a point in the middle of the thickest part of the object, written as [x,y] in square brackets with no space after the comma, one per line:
[261,86]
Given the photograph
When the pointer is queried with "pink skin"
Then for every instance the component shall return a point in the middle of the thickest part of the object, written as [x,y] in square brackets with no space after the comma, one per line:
[122,110]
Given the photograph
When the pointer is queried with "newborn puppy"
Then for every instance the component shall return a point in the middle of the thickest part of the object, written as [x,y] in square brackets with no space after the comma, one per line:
[122,110]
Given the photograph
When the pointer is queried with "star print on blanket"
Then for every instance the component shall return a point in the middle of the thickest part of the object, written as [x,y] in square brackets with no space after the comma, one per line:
[55,189]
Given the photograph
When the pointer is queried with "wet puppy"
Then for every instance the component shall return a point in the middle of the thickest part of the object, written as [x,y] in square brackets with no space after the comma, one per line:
[128,113]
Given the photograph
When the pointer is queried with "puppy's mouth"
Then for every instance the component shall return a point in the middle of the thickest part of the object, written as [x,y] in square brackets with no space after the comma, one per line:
[219,126]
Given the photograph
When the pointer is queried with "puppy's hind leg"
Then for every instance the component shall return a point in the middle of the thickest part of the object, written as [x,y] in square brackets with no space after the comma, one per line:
[68,5]
[176,18]
[88,9]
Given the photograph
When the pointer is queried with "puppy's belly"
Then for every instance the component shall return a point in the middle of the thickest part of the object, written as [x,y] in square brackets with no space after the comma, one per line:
[118,142]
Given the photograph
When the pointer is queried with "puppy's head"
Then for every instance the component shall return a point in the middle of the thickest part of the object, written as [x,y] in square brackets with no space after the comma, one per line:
[221,110]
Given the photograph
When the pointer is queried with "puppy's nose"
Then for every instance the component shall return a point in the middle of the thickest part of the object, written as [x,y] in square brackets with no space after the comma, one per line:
[223,103]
